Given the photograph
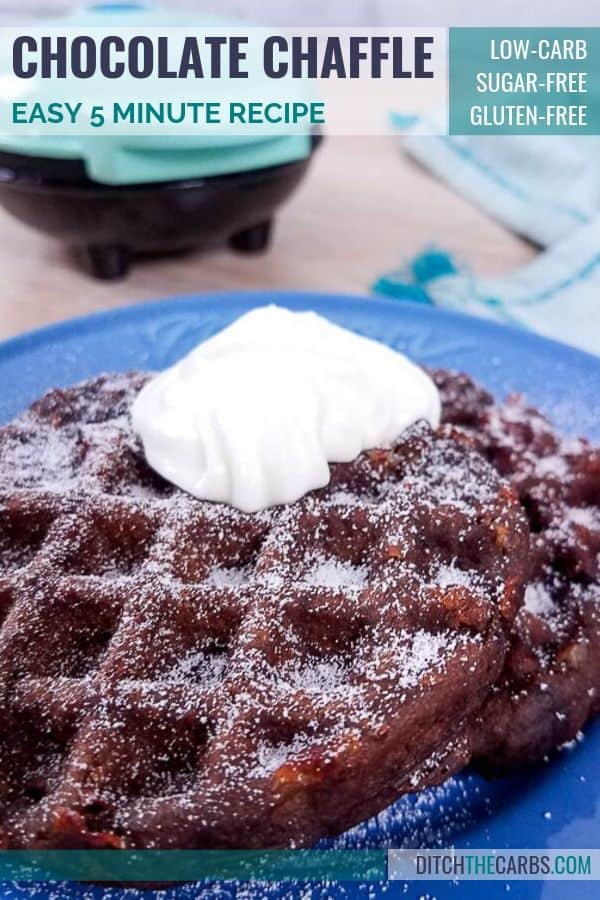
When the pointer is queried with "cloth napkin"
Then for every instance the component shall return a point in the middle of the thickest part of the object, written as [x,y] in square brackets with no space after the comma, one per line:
[544,188]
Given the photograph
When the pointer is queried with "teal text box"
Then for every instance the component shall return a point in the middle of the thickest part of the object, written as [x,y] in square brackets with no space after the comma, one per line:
[161,866]
[524,81]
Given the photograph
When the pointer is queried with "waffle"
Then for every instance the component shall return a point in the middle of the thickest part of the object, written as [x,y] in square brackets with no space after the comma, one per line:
[551,683]
[174,673]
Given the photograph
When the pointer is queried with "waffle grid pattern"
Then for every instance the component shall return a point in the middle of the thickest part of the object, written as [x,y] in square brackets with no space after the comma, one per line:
[177,673]
[551,683]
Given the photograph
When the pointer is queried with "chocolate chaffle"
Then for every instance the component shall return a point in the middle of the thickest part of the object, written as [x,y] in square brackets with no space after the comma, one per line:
[175,673]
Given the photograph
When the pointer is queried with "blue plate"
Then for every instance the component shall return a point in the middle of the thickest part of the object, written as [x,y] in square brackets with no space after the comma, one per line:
[556,805]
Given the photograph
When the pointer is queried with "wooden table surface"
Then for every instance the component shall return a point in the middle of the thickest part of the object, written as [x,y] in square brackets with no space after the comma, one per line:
[363,209]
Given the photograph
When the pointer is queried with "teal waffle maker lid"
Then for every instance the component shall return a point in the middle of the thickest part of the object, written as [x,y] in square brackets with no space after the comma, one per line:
[137,158]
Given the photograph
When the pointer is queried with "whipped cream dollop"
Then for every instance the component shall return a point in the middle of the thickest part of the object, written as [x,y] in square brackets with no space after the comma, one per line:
[253,416]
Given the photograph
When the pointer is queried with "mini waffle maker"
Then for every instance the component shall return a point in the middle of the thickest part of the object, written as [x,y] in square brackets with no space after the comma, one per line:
[118,195]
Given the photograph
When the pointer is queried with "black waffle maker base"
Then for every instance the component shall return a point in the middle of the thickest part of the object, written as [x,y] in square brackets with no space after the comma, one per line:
[115,224]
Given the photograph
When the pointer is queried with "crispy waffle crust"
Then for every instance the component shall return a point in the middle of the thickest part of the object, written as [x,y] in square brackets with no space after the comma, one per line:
[174,673]
[551,683]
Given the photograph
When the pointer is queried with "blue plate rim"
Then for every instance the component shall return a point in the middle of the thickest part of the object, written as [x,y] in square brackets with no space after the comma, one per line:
[293,300]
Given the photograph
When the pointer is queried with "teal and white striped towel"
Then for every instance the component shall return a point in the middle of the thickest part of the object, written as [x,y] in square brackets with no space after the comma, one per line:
[545,188]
